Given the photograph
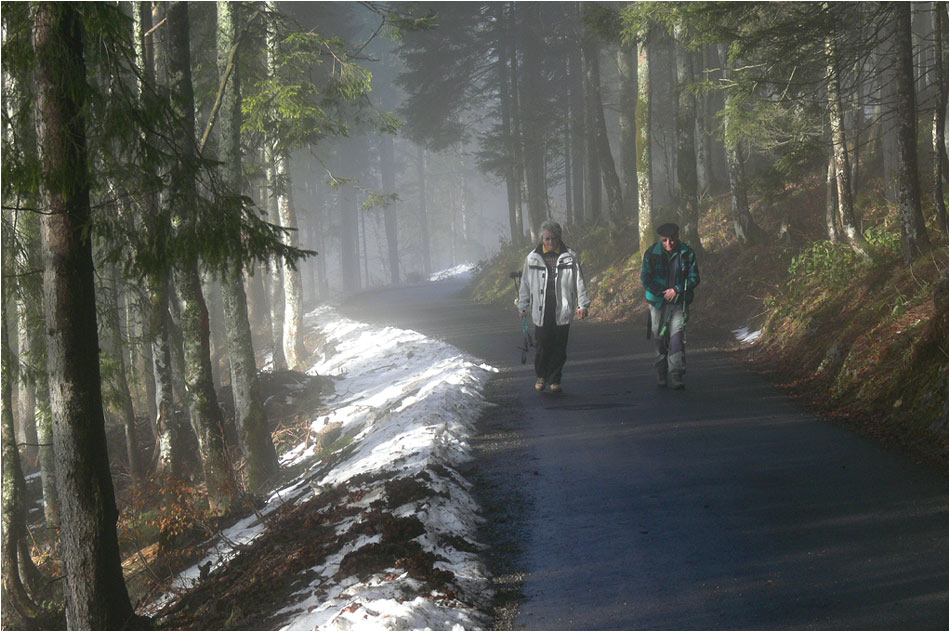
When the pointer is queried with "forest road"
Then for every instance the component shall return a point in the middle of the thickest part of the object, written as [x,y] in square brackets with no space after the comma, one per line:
[725,506]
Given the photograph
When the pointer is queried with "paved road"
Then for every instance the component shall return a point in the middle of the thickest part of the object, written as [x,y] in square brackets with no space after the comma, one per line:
[618,505]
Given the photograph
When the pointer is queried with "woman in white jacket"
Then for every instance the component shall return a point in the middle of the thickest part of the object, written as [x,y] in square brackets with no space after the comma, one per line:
[553,289]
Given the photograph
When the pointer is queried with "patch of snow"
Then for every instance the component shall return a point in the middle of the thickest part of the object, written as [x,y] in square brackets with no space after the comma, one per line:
[407,405]
[463,269]
[745,336]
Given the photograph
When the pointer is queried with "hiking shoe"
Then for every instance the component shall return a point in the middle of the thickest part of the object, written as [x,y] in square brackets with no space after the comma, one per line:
[539,385]
[661,379]
[676,382]
[555,388]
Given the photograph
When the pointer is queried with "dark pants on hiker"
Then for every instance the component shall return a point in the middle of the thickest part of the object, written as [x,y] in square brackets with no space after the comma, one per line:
[551,343]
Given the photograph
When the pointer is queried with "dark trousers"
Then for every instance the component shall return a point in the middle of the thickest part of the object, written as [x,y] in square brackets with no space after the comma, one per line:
[551,343]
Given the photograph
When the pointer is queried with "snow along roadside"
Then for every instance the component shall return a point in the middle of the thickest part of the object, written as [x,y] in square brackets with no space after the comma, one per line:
[406,407]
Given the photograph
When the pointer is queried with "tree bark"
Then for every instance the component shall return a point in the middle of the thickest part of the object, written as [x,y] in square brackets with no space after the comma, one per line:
[627,64]
[275,276]
[914,238]
[747,231]
[941,167]
[831,202]
[686,146]
[168,457]
[253,435]
[96,595]
[205,412]
[598,131]
[387,169]
[505,69]
[13,511]
[842,168]
[533,143]
[421,168]
[113,343]
[644,164]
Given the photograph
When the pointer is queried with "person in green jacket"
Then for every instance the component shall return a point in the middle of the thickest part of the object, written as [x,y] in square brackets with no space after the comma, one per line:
[669,275]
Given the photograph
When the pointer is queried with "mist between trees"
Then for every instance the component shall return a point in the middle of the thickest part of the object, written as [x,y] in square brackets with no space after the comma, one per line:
[181,181]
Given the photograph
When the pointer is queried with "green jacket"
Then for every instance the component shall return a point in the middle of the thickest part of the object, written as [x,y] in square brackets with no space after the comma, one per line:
[655,271]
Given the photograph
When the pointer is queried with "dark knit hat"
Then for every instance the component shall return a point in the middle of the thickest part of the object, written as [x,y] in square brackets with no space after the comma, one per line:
[668,230]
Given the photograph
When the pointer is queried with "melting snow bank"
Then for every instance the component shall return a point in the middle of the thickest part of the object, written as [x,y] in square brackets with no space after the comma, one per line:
[459,270]
[745,336]
[393,523]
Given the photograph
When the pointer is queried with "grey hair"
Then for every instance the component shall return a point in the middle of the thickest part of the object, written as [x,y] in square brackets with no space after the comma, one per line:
[549,226]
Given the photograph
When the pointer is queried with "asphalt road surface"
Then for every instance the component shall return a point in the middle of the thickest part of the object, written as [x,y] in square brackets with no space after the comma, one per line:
[620,505]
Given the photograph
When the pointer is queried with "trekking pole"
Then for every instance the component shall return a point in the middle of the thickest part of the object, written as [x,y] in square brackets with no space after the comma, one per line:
[526,341]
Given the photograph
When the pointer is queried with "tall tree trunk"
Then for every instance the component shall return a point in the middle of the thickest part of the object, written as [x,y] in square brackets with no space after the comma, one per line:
[26,398]
[831,202]
[608,170]
[253,435]
[294,351]
[113,344]
[424,250]
[686,145]
[275,277]
[627,64]
[644,163]
[842,168]
[703,175]
[913,231]
[577,131]
[747,231]
[387,172]
[205,412]
[505,69]
[167,455]
[13,511]
[941,166]
[662,67]
[533,144]
[96,596]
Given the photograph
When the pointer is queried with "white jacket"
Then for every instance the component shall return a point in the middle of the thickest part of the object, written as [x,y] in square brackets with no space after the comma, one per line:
[569,285]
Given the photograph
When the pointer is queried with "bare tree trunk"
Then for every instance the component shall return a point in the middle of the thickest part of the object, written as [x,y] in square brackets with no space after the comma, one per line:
[275,288]
[506,70]
[627,63]
[578,133]
[255,440]
[421,169]
[168,455]
[205,411]
[598,132]
[913,231]
[13,511]
[96,596]
[686,146]
[387,169]
[533,143]
[940,117]
[747,231]
[831,202]
[113,344]
[26,397]
[644,163]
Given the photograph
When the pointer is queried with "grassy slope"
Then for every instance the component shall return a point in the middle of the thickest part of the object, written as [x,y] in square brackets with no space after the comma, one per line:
[865,345]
